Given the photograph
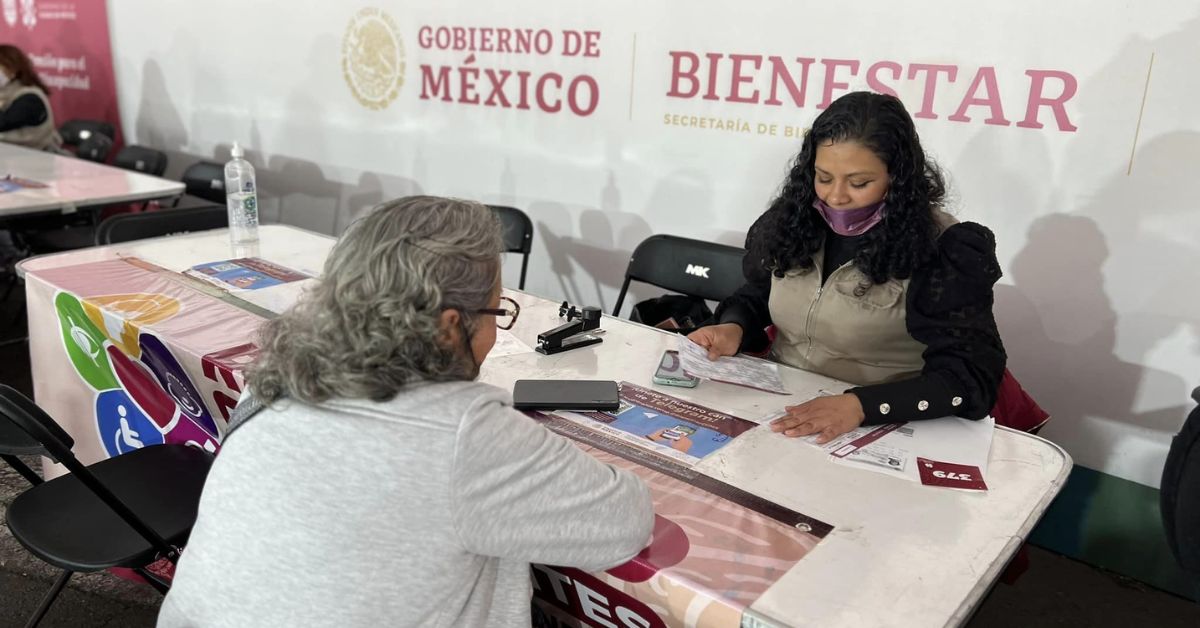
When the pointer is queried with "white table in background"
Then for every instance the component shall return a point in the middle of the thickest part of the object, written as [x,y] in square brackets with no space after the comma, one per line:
[284,244]
[72,183]
[900,554]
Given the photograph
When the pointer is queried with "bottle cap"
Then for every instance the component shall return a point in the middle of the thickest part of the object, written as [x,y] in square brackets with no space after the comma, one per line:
[236,152]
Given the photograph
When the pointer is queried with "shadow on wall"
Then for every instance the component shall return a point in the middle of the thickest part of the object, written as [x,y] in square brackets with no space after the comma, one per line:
[158,123]
[1059,318]
[608,236]
[600,260]
[1101,298]
[292,190]
[1061,327]
[296,192]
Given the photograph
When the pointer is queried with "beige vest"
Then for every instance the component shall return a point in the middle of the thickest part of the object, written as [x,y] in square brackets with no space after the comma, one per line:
[841,331]
[43,136]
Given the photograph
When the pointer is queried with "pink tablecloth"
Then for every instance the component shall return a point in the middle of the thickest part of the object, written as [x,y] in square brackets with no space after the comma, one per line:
[126,354]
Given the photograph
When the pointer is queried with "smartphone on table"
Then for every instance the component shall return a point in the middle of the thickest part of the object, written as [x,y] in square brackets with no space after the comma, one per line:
[670,372]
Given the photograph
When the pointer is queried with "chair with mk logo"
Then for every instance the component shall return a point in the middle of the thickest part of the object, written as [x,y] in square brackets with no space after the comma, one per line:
[704,271]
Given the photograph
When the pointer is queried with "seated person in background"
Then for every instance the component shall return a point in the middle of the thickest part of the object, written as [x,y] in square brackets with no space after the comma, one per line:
[380,485]
[25,115]
[867,280]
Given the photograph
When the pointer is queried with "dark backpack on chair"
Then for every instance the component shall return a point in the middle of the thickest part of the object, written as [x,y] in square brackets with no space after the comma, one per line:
[673,312]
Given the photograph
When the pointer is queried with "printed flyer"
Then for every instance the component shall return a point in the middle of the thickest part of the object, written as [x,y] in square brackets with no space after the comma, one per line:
[247,273]
[683,431]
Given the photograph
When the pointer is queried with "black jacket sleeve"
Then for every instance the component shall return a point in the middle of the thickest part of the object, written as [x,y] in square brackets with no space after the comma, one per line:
[950,312]
[27,110]
[747,306]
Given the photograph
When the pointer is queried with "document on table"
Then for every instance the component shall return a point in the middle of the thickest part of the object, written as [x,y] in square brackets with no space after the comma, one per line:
[261,283]
[740,370]
[949,452]
[9,183]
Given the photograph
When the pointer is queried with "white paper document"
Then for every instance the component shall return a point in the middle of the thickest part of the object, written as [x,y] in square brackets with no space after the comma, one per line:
[951,452]
[740,370]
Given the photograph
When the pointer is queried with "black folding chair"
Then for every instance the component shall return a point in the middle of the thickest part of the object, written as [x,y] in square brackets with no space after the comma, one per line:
[74,132]
[695,268]
[1180,494]
[205,180]
[171,221]
[129,511]
[15,442]
[141,159]
[518,235]
[95,148]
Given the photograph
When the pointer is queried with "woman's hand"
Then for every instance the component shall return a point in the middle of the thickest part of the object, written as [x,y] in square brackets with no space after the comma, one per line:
[720,340]
[828,416]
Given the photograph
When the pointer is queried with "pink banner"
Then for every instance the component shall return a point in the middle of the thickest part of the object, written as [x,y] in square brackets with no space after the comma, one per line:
[67,41]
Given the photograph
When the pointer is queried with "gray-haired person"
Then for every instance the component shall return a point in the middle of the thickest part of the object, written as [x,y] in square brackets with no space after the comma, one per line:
[380,485]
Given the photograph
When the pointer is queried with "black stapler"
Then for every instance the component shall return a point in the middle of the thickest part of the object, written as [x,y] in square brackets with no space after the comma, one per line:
[574,333]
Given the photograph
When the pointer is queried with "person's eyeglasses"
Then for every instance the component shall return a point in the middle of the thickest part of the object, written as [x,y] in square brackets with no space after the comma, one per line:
[506,317]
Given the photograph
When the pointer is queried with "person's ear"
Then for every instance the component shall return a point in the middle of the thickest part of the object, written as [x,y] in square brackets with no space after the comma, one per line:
[448,327]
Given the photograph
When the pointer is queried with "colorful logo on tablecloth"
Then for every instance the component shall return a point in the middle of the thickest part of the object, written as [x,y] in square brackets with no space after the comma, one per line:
[175,382]
[84,343]
[138,402]
[123,315]
[123,427]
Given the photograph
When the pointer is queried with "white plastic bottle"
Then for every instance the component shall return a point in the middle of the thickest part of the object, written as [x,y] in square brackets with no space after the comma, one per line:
[241,196]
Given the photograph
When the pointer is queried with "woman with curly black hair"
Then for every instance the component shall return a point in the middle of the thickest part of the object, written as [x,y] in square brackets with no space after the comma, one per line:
[866,279]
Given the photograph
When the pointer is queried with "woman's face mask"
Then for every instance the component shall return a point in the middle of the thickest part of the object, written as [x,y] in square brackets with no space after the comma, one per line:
[850,222]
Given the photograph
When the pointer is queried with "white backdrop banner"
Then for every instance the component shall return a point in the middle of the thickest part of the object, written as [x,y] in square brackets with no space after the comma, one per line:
[1069,128]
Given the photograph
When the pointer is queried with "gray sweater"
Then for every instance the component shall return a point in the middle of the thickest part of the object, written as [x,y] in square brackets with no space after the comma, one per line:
[421,511]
